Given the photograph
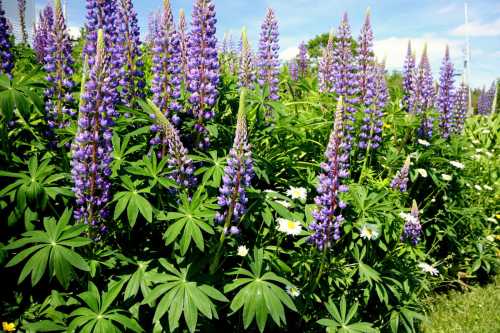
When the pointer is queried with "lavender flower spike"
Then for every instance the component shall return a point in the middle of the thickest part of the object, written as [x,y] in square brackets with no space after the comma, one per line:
[293,70]
[92,145]
[409,81]
[327,217]
[203,66]
[21,5]
[183,42]
[446,95]
[460,108]
[427,95]
[238,173]
[246,75]
[42,30]
[412,229]
[268,62]
[325,70]
[303,60]
[58,64]
[400,181]
[6,58]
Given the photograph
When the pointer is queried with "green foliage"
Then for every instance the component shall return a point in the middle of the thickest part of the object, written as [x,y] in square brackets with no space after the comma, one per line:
[342,320]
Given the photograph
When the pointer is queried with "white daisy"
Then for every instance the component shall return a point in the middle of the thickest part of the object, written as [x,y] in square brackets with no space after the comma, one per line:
[446,177]
[488,153]
[289,227]
[426,268]
[479,150]
[369,231]
[485,131]
[293,291]
[476,142]
[297,193]
[422,172]
[424,142]
[457,164]
[478,187]
[488,187]
[490,238]
[284,203]
[242,251]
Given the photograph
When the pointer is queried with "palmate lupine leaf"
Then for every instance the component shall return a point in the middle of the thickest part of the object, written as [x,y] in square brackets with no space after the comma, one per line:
[259,295]
[179,295]
[133,201]
[341,319]
[53,248]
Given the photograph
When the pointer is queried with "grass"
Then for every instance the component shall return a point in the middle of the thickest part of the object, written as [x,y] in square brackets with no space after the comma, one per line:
[475,311]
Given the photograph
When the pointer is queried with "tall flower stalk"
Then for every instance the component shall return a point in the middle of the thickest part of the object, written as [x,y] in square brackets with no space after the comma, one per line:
[21,6]
[303,60]
[92,146]
[400,180]
[293,70]
[446,95]
[6,58]
[412,229]
[183,43]
[409,81]
[237,178]
[43,28]
[246,70]
[203,67]
[268,62]
[328,217]
[427,95]
[325,69]
[58,64]
[460,108]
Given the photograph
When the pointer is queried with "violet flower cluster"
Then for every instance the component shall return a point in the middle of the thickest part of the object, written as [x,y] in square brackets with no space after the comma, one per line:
[43,28]
[400,181]
[409,81]
[427,95]
[92,146]
[132,75]
[6,58]
[238,175]
[325,67]
[268,62]
[166,83]
[460,108]
[58,64]
[246,70]
[21,6]
[293,70]
[303,60]
[328,218]
[183,43]
[485,100]
[412,229]
[446,95]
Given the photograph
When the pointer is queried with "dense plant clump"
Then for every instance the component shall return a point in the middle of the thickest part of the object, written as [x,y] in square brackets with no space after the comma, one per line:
[178,184]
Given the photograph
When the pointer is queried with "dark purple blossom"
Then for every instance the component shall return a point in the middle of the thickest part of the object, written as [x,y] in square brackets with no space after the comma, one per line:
[203,67]
[400,181]
[6,58]
[92,146]
[327,217]
[303,60]
[412,229]
[238,173]
[325,69]
[409,81]
[486,100]
[427,95]
[446,95]
[42,29]
[246,74]
[268,62]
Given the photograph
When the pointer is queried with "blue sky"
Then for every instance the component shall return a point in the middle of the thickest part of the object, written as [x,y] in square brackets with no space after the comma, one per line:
[436,22]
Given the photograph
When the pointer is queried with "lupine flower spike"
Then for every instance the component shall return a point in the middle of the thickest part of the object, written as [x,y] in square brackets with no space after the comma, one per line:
[246,75]
[58,64]
[92,146]
[446,95]
[325,70]
[303,60]
[293,70]
[412,228]
[427,95]
[183,43]
[328,217]
[460,108]
[43,28]
[6,58]
[21,6]
[400,181]
[203,67]
[409,81]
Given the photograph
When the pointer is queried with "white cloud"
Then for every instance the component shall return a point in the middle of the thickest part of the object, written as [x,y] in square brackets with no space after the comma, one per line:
[74,31]
[448,9]
[479,29]
[289,53]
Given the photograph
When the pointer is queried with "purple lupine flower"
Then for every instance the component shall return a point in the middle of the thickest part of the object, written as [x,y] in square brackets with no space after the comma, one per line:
[400,181]
[166,85]
[427,95]
[42,29]
[409,81]
[446,95]
[345,80]
[238,173]
[182,166]
[183,43]
[6,58]
[246,75]
[268,62]
[132,78]
[325,69]
[489,99]
[92,146]
[303,60]
[58,64]
[203,66]
[328,217]
[21,6]
[293,70]
[460,108]
[412,229]
[154,19]
[483,105]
